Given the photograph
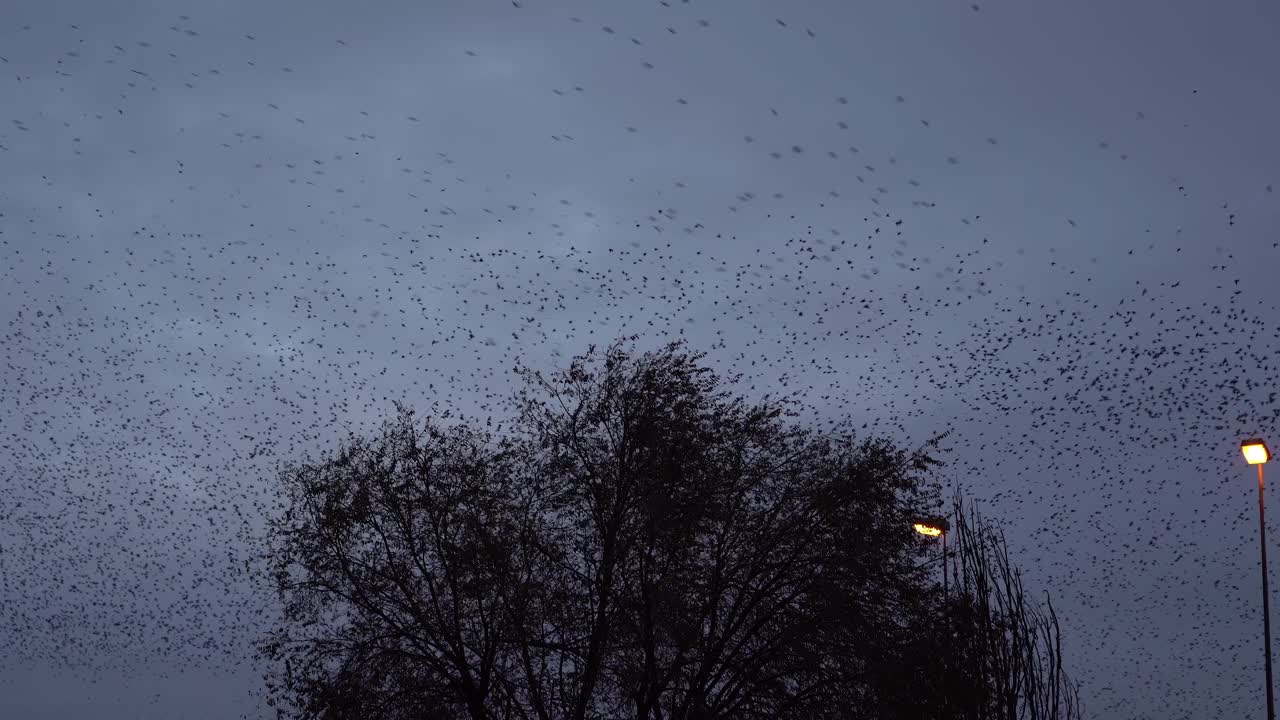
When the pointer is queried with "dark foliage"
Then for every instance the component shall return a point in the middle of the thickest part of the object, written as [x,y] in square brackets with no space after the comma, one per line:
[994,654]
[645,544]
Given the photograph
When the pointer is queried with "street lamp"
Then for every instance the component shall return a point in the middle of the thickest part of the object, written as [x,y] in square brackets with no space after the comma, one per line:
[938,527]
[1256,453]
[927,529]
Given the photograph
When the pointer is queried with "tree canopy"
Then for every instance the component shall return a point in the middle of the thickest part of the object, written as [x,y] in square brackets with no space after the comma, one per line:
[643,543]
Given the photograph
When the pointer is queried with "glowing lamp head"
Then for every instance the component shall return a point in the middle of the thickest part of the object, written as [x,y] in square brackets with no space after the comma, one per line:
[1255,451]
[929,530]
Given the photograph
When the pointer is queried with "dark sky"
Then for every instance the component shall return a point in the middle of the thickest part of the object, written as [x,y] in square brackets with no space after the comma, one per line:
[232,232]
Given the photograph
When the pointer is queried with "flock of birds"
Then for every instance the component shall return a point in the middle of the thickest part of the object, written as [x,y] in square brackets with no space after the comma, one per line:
[279,287]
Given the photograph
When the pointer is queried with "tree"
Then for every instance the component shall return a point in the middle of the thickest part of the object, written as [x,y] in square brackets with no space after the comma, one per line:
[994,654]
[644,544]
[392,562]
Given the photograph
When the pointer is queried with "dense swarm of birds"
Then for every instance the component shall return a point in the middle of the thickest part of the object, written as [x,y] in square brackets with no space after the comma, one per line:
[196,289]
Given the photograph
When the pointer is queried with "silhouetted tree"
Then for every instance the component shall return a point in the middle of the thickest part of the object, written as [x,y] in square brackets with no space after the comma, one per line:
[726,563]
[644,544]
[993,653]
[393,560]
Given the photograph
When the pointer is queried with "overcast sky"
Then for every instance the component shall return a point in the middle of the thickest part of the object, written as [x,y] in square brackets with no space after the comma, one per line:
[231,232]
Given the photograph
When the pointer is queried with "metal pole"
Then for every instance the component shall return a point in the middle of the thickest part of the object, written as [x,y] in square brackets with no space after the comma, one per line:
[1266,603]
[946,625]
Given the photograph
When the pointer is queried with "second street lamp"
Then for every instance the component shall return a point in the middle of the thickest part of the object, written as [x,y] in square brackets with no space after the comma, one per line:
[1256,453]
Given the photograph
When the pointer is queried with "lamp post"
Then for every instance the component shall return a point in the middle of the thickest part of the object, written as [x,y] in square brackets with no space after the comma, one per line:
[1256,453]
[938,527]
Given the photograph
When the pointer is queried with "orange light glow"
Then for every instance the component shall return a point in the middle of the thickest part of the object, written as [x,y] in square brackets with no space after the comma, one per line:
[1255,451]
[927,530]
